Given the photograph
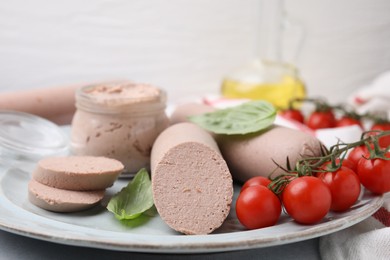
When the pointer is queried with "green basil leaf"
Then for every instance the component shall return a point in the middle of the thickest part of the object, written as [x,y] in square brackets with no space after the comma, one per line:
[134,199]
[249,117]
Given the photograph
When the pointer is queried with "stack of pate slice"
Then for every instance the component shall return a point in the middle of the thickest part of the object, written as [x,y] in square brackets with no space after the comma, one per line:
[73,183]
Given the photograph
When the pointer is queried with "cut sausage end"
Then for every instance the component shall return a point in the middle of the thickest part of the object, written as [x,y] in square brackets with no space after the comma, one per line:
[192,188]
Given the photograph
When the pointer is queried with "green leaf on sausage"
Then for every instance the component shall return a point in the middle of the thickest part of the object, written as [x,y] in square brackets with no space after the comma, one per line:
[250,117]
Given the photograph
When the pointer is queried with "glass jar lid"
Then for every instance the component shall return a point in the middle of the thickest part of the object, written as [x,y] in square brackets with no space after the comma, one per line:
[30,136]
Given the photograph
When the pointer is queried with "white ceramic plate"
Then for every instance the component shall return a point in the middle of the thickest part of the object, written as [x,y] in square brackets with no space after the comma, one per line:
[98,228]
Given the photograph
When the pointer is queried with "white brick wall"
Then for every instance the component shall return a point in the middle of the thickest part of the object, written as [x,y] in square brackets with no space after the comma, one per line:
[184,46]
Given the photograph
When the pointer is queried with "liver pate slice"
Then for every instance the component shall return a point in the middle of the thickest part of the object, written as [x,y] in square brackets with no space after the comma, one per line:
[192,185]
[59,200]
[77,172]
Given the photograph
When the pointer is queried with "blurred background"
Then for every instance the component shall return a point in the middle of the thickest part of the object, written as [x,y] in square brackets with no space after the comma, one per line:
[187,46]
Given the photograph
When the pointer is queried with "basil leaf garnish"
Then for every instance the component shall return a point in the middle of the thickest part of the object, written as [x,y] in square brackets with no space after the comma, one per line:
[134,199]
[249,117]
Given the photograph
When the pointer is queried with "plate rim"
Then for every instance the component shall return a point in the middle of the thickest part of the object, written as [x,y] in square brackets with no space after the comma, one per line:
[184,244]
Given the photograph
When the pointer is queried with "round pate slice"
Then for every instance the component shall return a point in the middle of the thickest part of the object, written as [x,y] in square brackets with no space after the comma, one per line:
[192,185]
[59,200]
[79,173]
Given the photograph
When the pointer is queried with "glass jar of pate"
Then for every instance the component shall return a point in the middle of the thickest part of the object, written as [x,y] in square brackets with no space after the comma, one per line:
[119,120]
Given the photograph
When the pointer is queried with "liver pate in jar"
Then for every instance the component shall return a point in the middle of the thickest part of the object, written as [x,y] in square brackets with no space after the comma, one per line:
[119,121]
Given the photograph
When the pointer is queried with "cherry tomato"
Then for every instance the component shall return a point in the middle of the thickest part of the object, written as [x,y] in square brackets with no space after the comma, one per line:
[384,141]
[307,199]
[321,119]
[356,154]
[344,186]
[293,114]
[258,180]
[346,163]
[348,121]
[258,207]
[374,174]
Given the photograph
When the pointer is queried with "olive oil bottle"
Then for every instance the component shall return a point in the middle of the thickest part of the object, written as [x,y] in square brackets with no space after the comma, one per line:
[271,75]
[276,83]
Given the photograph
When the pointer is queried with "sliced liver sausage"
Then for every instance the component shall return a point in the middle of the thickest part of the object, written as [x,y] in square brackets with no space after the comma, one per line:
[192,185]
[59,200]
[77,172]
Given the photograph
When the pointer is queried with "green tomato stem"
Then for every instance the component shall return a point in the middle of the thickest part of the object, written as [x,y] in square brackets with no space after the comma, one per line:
[308,166]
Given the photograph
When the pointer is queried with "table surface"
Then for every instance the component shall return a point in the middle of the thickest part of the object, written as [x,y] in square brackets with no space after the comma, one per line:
[14,246]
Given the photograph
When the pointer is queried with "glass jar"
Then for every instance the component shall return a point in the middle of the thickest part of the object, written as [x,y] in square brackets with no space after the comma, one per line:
[27,138]
[119,121]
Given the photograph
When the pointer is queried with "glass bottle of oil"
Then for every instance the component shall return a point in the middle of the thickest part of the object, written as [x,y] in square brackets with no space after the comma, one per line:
[269,77]
[275,82]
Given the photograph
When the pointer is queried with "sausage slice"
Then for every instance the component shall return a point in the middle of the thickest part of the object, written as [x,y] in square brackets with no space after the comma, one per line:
[77,172]
[60,200]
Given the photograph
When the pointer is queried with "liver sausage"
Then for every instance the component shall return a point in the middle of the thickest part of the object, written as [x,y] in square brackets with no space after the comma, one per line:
[192,185]
[53,103]
[184,110]
[253,154]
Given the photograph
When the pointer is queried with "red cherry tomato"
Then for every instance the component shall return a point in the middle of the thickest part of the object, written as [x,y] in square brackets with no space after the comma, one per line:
[258,207]
[374,174]
[307,199]
[258,180]
[293,114]
[346,163]
[344,186]
[356,154]
[348,121]
[384,141]
[321,119]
